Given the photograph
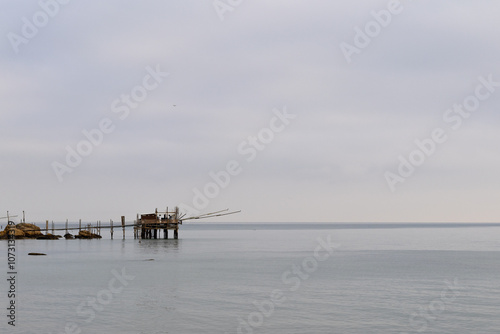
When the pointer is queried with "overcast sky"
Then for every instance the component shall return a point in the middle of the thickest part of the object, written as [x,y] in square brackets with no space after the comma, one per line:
[311,105]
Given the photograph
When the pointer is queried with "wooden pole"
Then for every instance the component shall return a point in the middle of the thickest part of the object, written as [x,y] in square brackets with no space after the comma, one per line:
[111,223]
[24,219]
[66,226]
[176,220]
[46,227]
[123,226]
[136,227]
[139,233]
[79,226]
[52,227]
[143,230]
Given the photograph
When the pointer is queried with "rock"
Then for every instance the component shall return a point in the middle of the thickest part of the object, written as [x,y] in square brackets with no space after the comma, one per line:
[18,234]
[30,230]
[87,235]
[49,237]
[21,231]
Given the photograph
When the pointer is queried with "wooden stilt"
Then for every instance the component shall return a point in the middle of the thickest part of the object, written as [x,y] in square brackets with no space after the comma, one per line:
[111,228]
[123,226]
[176,221]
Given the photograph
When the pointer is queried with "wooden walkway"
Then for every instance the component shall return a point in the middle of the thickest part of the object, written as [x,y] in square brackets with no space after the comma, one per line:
[146,226]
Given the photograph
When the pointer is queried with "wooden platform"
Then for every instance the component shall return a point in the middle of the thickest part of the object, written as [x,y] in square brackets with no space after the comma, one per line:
[150,225]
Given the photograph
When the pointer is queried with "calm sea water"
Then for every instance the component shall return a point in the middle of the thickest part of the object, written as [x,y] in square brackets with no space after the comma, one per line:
[263,278]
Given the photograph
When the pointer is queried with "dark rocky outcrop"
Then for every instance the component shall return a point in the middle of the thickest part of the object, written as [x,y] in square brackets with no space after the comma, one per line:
[18,234]
[87,235]
[49,237]
[21,231]
[31,231]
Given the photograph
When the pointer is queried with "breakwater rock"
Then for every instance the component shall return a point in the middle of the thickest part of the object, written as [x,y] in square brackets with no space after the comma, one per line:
[87,235]
[22,231]
[49,236]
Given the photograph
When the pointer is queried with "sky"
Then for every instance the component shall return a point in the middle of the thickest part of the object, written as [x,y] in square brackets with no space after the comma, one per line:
[303,111]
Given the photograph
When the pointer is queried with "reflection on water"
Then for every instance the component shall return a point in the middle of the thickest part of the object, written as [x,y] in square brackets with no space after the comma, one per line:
[155,246]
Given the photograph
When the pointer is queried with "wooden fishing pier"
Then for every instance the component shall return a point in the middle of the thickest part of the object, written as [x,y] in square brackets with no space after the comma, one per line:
[146,226]
[150,225]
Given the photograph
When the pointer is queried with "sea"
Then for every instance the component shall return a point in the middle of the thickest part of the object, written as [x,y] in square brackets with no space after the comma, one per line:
[259,278]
